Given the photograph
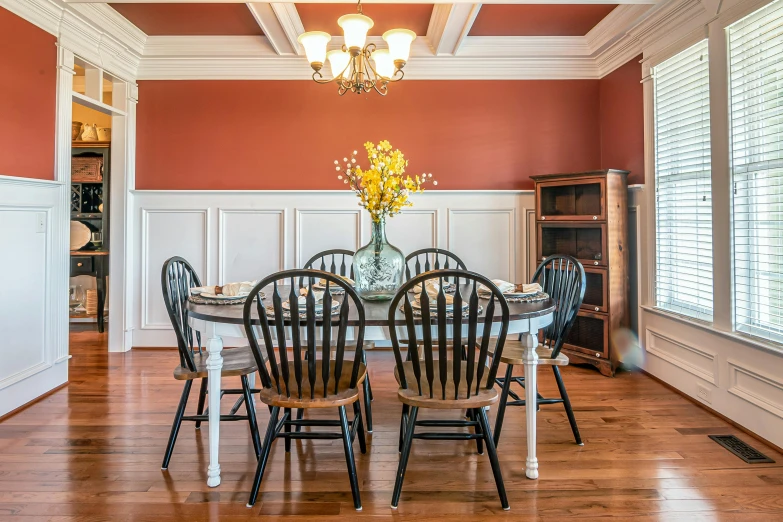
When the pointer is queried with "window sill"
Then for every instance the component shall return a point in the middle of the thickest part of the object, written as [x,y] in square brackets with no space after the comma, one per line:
[752,342]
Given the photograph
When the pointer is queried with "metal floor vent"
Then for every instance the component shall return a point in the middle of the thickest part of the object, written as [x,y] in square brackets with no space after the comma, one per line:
[742,449]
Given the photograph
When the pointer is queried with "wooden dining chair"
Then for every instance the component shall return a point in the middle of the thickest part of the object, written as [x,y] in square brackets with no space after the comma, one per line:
[466,382]
[319,380]
[334,261]
[177,278]
[563,278]
[440,259]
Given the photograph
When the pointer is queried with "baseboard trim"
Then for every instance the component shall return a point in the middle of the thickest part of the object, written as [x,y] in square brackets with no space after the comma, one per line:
[32,402]
[717,414]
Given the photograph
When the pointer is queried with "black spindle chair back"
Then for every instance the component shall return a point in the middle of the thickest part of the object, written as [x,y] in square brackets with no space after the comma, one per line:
[177,278]
[337,261]
[563,278]
[441,259]
[480,372]
[272,325]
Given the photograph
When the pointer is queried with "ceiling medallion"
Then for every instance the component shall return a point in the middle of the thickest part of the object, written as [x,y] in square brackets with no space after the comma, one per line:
[358,67]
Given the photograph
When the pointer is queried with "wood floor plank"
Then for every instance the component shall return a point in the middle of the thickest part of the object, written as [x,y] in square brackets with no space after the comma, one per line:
[92,450]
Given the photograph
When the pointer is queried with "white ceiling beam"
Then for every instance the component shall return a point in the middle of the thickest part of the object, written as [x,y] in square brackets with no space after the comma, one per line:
[281,25]
[449,25]
[369,1]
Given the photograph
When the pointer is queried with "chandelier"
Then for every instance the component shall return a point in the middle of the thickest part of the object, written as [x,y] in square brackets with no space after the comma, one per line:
[359,67]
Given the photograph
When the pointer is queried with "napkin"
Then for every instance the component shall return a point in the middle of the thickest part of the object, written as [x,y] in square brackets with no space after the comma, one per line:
[348,280]
[510,288]
[319,296]
[432,292]
[228,290]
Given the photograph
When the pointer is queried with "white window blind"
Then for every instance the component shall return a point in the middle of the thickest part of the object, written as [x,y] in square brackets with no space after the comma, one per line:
[683,209]
[756,111]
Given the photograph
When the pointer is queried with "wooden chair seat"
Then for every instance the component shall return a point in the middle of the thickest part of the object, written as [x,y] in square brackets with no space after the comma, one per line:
[344,395]
[513,353]
[236,361]
[411,396]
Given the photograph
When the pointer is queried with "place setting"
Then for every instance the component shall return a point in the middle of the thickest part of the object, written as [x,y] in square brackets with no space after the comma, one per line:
[228,294]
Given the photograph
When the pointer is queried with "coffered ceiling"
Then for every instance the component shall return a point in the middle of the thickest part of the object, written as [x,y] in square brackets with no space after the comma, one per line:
[457,40]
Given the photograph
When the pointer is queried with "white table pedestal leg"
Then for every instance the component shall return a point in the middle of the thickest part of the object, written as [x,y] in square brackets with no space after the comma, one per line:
[530,357]
[214,367]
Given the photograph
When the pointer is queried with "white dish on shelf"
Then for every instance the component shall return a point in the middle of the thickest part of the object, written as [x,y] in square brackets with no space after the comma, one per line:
[80,234]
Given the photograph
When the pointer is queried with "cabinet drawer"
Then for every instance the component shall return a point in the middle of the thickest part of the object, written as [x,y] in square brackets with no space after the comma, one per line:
[571,200]
[81,265]
[589,335]
[597,290]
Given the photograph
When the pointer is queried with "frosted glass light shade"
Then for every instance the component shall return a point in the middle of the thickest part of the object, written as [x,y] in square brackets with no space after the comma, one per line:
[399,41]
[384,65]
[338,60]
[314,43]
[355,27]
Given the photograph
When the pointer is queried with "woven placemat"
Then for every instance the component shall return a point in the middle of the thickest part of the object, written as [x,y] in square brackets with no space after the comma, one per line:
[449,315]
[540,296]
[197,299]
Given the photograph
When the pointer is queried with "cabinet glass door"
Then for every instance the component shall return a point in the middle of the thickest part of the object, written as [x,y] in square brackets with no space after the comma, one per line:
[579,200]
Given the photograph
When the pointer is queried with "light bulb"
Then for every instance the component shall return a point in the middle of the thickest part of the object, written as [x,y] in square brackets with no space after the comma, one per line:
[338,61]
[399,41]
[314,43]
[384,65]
[355,27]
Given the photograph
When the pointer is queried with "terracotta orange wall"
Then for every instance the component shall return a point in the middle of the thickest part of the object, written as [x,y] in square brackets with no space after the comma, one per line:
[287,134]
[28,84]
[622,120]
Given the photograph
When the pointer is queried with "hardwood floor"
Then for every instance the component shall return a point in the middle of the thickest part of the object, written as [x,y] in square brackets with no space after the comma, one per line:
[92,451]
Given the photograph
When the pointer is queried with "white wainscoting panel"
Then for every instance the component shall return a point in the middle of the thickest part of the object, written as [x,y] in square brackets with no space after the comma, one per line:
[250,242]
[485,239]
[324,229]
[413,230]
[168,233]
[244,235]
[756,387]
[697,361]
[34,352]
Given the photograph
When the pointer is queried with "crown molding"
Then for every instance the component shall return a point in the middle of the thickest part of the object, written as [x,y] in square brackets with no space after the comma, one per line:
[509,46]
[449,26]
[91,32]
[281,26]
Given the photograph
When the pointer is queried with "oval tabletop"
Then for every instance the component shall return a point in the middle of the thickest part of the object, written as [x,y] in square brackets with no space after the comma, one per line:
[376,312]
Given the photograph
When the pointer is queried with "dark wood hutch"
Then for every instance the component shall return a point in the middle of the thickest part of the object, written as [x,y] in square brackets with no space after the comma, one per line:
[585,215]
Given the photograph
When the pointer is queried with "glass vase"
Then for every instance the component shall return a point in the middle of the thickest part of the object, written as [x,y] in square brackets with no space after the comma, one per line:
[378,266]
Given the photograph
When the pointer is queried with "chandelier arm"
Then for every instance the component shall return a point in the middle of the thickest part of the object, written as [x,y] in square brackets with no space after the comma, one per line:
[383,90]
[399,74]
[320,78]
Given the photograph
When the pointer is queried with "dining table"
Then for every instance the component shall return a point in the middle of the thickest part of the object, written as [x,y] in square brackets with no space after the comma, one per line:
[217,322]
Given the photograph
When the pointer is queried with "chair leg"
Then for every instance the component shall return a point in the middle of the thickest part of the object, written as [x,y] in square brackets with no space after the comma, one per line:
[287,412]
[567,403]
[202,397]
[299,416]
[403,419]
[268,438]
[251,416]
[473,416]
[406,452]
[357,413]
[349,460]
[367,379]
[493,458]
[183,401]
[367,406]
[503,400]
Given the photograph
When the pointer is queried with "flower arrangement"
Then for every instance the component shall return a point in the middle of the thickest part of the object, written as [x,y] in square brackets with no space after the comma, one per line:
[383,189]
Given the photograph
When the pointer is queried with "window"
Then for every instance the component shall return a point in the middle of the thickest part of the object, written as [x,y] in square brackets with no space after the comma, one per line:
[683,199]
[756,112]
